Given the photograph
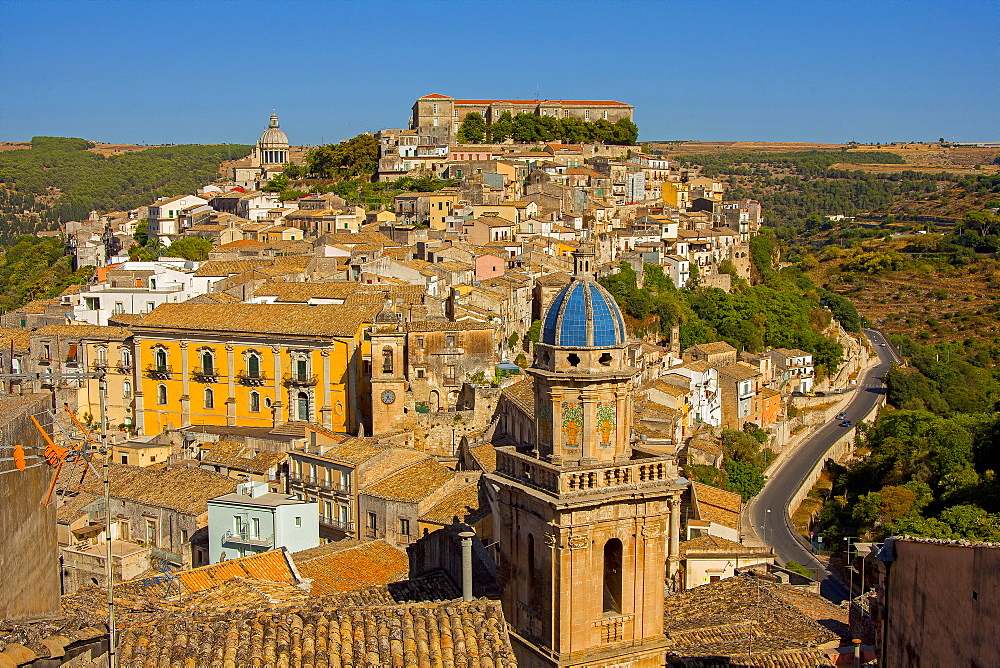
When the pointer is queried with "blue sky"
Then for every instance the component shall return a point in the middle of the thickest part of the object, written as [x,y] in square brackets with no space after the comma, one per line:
[754,70]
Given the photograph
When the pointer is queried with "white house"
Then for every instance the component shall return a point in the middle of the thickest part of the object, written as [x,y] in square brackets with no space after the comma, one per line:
[139,287]
[703,382]
[163,214]
[253,520]
[678,269]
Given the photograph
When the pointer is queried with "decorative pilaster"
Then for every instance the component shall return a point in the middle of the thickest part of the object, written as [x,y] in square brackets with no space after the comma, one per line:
[231,400]
[185,390]
[277,417]
[673,563]
[326,412]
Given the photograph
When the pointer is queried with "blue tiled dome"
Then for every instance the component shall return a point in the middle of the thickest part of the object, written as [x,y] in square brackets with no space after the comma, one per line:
[583,315]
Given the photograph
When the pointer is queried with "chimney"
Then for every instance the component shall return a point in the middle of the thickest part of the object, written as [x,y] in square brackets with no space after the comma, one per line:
[466,537]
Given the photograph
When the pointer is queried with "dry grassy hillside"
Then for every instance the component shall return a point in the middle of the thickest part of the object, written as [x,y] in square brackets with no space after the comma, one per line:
[926,300]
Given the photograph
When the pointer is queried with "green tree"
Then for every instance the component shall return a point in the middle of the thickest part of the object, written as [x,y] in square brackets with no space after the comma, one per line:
[512,340]
[473,129]
[501,129]
[358,155]
[141,234]
[189,248]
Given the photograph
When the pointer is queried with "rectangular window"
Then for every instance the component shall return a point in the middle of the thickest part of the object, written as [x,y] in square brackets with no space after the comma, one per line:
[450,372]
[420,373]
[372,521]
[298,521]
[586,114]
[404,527]
[150,306]
[420,343]
[151,532]
[184,535]
[119,307]
[124,458]
[605,115]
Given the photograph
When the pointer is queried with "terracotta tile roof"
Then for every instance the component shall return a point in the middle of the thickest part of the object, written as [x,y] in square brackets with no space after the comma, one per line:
[238,456]
[273,566]
[709,543]
[588,103]
[20,337]
[354,451]
[214,298]
[485,457]
[295,319]
[447,326]
[302,292]
[424,634]
[826,614]
[98,332]
[466,503]
[218,268]
[242,243]
[186,490]
[714,348]
[739,371]
[436,586]
[345,566]
[712,623]
[240,592]
[717,505]
[36,306]
[522,395]
[412,483]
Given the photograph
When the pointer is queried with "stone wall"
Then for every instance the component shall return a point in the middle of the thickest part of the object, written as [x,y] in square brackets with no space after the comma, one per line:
[29,554]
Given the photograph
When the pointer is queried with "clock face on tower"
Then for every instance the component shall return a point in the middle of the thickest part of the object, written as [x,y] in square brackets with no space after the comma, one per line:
[388,397]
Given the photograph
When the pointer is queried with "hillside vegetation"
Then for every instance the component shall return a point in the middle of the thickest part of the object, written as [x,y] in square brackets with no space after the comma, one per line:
[36,268]
[58,179]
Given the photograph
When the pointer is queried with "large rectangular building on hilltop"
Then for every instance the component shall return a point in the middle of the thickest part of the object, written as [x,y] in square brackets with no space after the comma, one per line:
[438,116]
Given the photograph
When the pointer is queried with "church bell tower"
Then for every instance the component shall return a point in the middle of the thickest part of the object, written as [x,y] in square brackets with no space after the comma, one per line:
[588,525]
[388,378]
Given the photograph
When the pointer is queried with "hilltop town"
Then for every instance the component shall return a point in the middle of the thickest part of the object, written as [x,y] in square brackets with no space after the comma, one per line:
[423,431]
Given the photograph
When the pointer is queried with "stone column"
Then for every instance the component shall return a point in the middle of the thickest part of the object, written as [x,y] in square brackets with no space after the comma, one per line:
[673,562]
[231,399]
[185,386]
[326,414]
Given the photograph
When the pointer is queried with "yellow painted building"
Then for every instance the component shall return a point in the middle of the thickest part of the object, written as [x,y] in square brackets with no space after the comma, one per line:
[674,194]
[250,365]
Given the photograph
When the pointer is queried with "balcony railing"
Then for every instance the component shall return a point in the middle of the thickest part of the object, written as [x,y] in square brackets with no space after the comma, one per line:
[253,381]
[334,523]
[299,379]
[323,483]
[204,376]
[246,538]
[72,361]
[99,366]
[124,367]
[158,372]
[166,555]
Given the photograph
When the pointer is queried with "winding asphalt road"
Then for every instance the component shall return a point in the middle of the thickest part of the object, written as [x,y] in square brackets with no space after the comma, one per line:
[769,509]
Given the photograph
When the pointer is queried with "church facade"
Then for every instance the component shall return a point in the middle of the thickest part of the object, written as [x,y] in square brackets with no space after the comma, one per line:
[587,523]
[270,155]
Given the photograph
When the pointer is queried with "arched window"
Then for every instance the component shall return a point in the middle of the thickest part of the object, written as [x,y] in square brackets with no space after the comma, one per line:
[102,354]
[387,360]
[253,366]
[161,394]
[126,389]
[161,360]
[207,363]
[254,402]
[126,357]
[302,403]
[613,576]
[531,562]
[209,398]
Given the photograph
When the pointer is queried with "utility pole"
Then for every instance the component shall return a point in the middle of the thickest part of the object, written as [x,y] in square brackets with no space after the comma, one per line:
[108,569]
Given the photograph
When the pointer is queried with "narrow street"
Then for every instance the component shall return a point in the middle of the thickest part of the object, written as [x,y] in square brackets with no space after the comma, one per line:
[769,510]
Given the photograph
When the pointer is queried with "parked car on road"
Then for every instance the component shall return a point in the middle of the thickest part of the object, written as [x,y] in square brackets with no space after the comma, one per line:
[846,423]
[841,415]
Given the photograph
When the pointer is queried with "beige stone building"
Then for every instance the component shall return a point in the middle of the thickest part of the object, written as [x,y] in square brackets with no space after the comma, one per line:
[439,116]
[587,524]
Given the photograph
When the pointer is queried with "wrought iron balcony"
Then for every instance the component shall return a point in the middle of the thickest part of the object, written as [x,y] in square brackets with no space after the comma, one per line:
[124,367]
[244,378]
[334,523]
[159,372]
[99,366]
[299,379]
[204,376]
[323,483]
[246,538]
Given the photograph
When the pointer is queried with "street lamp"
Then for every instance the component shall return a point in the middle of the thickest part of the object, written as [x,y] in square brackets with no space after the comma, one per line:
[767,517]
